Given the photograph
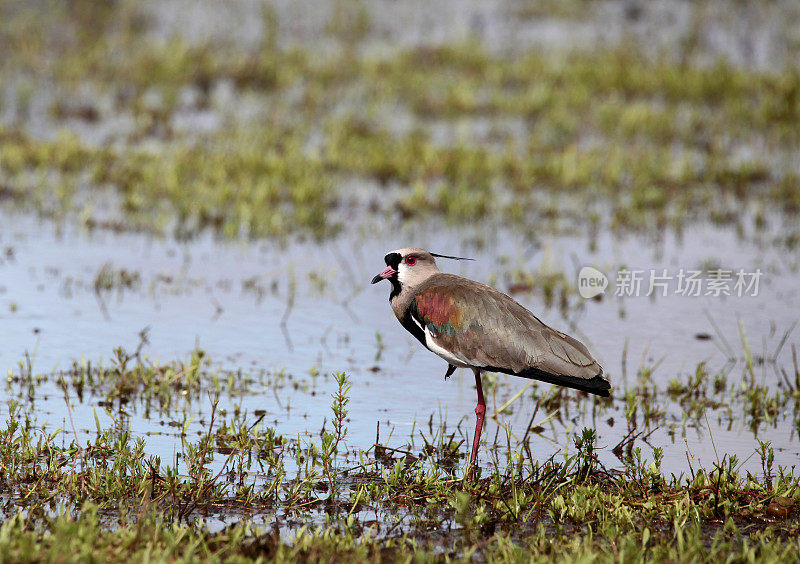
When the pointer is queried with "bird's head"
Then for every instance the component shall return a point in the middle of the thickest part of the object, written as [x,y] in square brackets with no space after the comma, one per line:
[409,268]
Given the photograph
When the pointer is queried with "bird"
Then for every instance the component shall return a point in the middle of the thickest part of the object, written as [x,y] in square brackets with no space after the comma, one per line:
[472,325]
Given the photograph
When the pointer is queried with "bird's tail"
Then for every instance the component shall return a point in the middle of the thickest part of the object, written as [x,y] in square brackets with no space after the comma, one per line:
[597,385]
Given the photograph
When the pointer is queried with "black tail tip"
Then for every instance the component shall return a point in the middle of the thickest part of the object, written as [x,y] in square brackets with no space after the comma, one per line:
[599,386]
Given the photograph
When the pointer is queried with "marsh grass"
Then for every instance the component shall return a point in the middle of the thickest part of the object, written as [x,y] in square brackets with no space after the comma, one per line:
[325,499]
[660,142]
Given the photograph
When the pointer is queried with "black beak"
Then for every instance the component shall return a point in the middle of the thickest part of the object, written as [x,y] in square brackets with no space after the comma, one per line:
[376,279]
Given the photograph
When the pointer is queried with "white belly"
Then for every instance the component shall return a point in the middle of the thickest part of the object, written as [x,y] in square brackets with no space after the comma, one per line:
[445,354]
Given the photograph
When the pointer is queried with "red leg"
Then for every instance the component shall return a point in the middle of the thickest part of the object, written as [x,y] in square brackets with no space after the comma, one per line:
[480,411]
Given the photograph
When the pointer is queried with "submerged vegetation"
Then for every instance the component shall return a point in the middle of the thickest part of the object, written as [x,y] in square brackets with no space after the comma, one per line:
[316,497]
[266,140]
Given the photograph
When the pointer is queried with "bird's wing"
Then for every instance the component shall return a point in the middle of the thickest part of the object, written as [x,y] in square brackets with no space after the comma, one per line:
[485,328]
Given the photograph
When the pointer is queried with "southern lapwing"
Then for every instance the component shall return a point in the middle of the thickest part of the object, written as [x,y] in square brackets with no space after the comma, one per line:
[471,325]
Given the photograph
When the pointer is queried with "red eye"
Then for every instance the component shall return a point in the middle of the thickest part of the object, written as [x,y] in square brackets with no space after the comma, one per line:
[411,260]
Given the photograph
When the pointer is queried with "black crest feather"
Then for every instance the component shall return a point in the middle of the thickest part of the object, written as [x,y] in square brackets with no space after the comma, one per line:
[450,257]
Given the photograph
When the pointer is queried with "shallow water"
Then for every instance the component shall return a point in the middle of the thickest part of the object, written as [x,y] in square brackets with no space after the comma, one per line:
[230,299]
[755,36]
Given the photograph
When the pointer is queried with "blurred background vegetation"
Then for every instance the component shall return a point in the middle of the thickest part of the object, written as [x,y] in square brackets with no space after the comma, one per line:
[260,119]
